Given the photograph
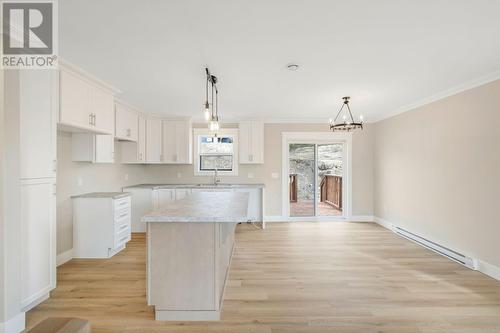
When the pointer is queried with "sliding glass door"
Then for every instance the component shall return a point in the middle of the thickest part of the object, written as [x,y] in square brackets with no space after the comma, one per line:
[315,179]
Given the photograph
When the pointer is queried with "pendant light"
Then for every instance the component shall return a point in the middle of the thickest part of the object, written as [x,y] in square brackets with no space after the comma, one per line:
[347,124]
[212,114]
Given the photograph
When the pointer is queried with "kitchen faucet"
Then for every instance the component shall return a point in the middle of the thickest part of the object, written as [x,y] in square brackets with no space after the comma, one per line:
[216,177]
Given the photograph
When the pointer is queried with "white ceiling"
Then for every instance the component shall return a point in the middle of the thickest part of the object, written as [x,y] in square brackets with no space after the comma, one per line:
[386,54]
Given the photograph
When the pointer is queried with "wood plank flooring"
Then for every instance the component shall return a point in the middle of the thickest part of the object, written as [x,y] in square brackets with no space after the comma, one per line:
[295,277]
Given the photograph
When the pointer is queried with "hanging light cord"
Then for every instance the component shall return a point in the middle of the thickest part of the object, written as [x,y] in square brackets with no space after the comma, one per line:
[346,102]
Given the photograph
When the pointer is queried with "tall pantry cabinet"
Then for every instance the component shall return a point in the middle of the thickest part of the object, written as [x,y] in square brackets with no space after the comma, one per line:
[38,112]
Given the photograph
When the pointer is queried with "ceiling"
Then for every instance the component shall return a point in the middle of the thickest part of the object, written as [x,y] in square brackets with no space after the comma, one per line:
[388,55]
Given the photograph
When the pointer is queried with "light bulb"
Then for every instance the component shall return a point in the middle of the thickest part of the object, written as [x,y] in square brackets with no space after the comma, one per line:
[213,125]
[330,120]
[207,114]
[361,118]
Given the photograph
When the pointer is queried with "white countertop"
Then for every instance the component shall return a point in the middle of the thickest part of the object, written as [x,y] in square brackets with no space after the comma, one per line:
[204,207]
[196,186]
[110,195]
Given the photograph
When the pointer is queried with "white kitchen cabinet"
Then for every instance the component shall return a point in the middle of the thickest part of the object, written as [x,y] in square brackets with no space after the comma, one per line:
[126,122]
[135,152]
[38,240]
[86,103]
[153,140]
[177,142]
[101,224]
[181,193]
[38,116]
[94,148]
[142,204]
[251,142]
[163,197]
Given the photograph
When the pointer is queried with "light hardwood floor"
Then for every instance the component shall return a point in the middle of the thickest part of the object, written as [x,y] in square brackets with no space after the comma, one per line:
[295,277]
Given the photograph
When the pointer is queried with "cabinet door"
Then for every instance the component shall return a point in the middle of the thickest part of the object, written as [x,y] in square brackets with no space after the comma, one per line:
[153,140]
[244,137]
[169,142]
[184,142]
[103,109]
[104,149]
[257,142]
[38,242]
[181,193]
[126,121]
[75,101]
[165,196]
[38,113]
[141,140]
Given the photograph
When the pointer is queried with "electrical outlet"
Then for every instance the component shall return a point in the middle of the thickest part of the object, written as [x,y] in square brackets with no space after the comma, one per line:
[250,175]
[275,175]
[79,182]
[126,176]
[179,175]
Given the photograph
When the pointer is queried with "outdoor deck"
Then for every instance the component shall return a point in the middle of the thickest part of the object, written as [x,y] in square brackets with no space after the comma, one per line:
[306,208]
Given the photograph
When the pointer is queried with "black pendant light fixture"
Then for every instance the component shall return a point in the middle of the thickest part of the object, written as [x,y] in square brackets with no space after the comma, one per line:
[212,109]
[347,122]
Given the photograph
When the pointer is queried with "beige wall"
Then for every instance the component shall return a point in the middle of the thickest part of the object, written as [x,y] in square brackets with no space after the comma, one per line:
[111,177]
[437,171]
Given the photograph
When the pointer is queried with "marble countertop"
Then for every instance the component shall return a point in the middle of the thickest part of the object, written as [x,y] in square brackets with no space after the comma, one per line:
[204,207]
[223,185]
[111,195]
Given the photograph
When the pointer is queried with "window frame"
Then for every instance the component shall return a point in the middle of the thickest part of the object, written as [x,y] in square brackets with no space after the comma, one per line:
[227,132]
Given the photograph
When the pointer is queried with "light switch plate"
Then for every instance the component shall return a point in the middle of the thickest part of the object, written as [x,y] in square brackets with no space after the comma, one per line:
[126,176]
[275,175]
[79,182]
[250,175]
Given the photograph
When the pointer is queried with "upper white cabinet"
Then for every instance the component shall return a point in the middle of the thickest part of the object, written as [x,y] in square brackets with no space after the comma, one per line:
[153,140]
[135,152]
[94,148]
[251,140]
[38,102]
[177,143]
[126,122]
[86,103]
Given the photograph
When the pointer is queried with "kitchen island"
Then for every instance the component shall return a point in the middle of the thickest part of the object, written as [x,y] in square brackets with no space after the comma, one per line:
[190,243]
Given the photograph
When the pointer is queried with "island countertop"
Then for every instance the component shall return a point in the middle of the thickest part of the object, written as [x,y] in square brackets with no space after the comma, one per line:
[211,207]
[198,186]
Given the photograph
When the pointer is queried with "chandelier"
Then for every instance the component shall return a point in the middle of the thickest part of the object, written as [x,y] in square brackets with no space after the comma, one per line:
[212,109]
[347,122]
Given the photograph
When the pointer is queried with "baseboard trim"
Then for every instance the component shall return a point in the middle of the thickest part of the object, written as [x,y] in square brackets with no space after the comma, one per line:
[64,257]
[479,265]
[354,218]
[488,269]
[14,325]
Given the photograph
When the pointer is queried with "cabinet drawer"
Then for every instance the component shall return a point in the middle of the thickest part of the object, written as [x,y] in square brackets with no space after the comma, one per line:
[122,236]
[122,203]
[122,213]
[124,221]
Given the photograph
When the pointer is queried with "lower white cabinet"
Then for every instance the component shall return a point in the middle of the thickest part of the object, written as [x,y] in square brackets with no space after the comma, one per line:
[38,240]
[94,148]
[101,224]
[162,197]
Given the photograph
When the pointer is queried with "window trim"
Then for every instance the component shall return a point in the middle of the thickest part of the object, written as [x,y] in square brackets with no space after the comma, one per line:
[230,132]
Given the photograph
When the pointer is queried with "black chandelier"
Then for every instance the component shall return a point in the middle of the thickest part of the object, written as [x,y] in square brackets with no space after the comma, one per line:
[212,109]
[347,122]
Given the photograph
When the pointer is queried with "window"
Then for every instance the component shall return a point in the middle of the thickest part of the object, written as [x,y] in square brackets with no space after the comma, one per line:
[216,152]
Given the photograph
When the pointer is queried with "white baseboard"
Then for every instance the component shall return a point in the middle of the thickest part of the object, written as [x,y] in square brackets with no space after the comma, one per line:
[479,265]
[488,269]
[14,325]
[354,218]
[64,257]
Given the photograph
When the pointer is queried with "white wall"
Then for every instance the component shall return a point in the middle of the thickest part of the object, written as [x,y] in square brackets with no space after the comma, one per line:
[437,171]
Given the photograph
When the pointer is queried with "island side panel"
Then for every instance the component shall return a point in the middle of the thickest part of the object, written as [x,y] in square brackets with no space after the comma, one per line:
[182,266]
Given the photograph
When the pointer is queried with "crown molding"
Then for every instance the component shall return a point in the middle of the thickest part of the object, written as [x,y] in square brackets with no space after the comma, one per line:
[482,80]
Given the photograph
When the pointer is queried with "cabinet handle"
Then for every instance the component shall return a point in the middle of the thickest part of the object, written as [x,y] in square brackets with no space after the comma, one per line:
[54,189]
[95,119]
[54,165]
[91,118]
[128,132]
[250,157]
